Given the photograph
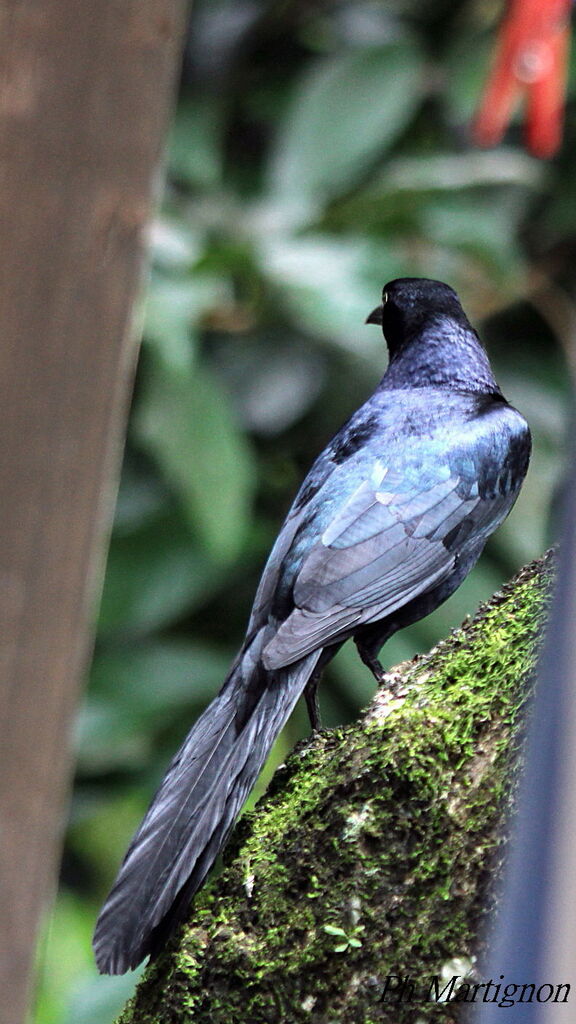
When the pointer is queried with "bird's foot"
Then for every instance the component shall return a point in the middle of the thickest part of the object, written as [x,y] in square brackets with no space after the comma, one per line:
[372,662]
[311,697]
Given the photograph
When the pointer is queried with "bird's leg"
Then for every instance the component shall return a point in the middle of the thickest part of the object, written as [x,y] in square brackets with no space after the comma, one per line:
[311,689]
[368,654]
[311,696]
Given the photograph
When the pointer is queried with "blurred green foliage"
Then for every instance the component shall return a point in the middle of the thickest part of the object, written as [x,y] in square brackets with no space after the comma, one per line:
[318,150]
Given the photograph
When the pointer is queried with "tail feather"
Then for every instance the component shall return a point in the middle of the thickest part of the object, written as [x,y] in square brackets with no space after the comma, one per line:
[194,810]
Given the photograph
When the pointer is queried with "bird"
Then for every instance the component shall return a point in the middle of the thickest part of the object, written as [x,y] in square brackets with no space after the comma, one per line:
[390,519]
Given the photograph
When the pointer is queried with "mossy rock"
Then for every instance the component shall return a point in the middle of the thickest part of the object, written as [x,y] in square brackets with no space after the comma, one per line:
[375,849]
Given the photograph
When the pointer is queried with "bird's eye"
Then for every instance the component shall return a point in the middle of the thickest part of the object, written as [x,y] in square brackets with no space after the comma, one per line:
[384,298]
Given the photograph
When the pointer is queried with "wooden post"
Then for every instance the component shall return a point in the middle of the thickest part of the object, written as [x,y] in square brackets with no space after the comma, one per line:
[85,93]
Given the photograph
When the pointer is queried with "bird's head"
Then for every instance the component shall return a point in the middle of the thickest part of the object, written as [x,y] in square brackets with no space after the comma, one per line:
[409,305]
[430,339]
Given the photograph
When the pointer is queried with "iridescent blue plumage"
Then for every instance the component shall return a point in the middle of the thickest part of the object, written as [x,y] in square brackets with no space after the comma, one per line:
[390,519]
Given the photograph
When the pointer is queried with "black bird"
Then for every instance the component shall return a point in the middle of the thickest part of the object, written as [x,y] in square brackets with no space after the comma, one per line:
[390,519]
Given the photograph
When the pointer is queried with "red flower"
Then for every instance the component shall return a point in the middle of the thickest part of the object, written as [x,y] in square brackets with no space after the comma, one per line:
[532,57]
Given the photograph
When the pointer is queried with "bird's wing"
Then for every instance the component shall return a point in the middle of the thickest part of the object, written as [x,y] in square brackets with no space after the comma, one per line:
[393,539]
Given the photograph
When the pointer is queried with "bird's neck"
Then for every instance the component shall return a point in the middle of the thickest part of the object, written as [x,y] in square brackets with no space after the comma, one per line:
[442,354]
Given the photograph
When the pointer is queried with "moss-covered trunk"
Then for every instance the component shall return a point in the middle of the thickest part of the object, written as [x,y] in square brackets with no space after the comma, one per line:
[374,851]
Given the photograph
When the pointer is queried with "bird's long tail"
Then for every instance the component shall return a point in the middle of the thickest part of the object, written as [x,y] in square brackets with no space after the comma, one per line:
[194,810]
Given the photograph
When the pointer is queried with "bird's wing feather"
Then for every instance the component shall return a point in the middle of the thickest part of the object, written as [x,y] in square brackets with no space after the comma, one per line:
[388,543]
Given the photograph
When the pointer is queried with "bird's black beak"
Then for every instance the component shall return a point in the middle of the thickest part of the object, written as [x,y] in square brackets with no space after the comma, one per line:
[376,316]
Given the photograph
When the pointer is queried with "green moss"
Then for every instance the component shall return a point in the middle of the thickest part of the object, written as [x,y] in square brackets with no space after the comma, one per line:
[372,850]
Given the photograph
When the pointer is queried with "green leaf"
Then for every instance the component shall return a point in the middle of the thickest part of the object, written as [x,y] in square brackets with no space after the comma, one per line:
[345,113]
[102,823]
[174,244]
[447,172]
[329,286]
[175,307]
[136,690]
[70,990]
[184,421]
[177,302]
[466,68]
[333,929]
[64,954]
[99,1000]
[481,226]
[169,319]
[153,576]
[195,150]
[161,675]
[141,497]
